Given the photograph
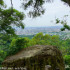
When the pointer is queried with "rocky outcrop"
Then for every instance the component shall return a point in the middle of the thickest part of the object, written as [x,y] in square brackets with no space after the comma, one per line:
[38,57]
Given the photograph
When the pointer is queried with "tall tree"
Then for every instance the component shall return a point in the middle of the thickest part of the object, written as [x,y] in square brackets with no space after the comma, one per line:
[9,17]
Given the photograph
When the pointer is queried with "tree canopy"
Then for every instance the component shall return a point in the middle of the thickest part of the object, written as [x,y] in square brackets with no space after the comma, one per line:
[1,3]
[38,9]
[36,6]
[12,16]
[9,17]
[63,22]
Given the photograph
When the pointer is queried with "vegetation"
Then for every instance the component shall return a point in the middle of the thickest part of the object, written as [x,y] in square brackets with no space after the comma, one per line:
[63,22]
[37,6]
[16,44]
[8,18]
[10,45]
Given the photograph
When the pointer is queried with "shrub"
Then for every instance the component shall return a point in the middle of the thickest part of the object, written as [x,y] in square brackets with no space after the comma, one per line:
[17,45]
[67,59]
[2,56]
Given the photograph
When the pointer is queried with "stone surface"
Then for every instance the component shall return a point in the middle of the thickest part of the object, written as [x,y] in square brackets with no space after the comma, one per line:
[37,58]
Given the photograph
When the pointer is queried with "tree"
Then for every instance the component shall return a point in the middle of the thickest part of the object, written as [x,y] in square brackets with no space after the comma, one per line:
[38,37]
[36,7]
[17,45]
[64,23]
[1,3]
[67,59]
[6,20]
[9,17]
[47,37]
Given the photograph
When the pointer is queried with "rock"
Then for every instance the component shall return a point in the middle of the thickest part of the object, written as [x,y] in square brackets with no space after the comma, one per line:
[36,58]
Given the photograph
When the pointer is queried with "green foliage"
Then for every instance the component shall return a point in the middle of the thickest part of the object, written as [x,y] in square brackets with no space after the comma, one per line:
[46,39]
[17,45]
[62,29]
[1,2]
[55,40]
[5,41]
[36,5]
[63,45]
[31,42]
[22,42]
[14,45]
[7,18]
[67,26]
[38,37]
[29,36]
[67,59]
[63,22]
[57,21]
[10,17]
[2,55]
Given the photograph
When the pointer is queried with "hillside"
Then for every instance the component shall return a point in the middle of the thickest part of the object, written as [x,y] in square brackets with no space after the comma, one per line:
[53,30]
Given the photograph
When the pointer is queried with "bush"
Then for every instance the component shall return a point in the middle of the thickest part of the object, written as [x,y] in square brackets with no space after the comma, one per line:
[2,56]
[31,42]
[17,45]
[67,59]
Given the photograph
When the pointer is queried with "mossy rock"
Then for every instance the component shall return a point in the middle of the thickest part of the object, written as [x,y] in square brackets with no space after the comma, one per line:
[36,58]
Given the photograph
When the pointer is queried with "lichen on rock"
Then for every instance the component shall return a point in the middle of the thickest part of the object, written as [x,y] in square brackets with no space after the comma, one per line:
[36,58]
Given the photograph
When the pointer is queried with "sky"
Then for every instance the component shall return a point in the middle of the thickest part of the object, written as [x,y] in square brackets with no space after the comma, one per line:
[57,9]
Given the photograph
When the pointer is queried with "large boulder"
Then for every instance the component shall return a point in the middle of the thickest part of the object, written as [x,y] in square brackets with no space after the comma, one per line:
[38,57]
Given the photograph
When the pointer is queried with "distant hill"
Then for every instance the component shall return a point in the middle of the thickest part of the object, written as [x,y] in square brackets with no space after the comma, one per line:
[35,30]
[30,32]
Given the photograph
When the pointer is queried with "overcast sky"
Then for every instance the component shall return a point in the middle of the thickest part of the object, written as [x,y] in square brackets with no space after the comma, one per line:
[56,9]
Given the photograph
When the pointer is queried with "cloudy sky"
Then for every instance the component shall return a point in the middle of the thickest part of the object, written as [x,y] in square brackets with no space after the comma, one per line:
[57,9]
